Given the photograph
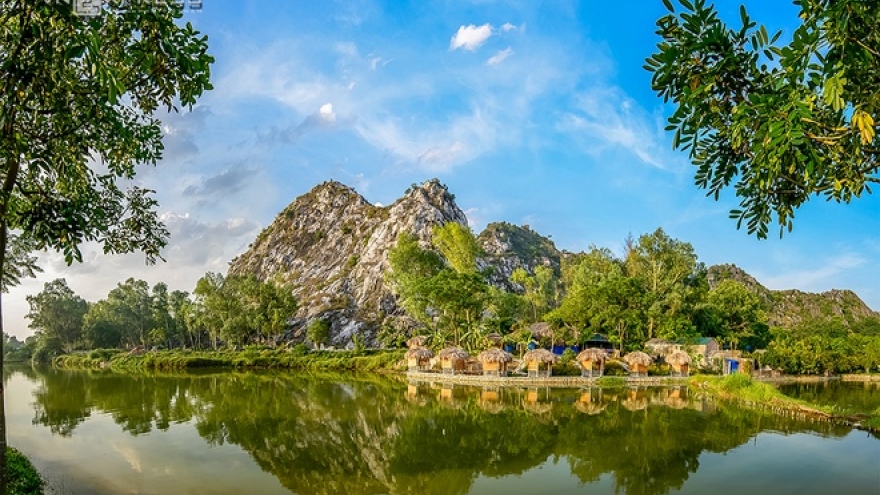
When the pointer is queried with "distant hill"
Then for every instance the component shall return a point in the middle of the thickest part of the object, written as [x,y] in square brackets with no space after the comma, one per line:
[789,308]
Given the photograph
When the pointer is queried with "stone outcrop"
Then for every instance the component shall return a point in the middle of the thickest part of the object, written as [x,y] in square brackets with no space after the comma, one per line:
[331,245]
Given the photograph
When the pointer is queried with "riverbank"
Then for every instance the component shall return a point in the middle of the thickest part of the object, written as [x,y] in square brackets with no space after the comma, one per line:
[23,478]
[297,358]
[546,381]
[755,393]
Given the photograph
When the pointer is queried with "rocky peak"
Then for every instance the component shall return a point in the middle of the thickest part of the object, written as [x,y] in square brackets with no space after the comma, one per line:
[507,247]
[332,246]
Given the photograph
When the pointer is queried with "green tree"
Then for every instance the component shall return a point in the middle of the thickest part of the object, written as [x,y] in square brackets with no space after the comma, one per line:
[781,122]
[674,282]
[539,289]
[318,332]
[74,91]
[56,313]
[458,245]
[739,311]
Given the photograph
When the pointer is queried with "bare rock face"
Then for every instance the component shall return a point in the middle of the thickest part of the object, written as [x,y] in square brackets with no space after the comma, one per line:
[331,245]
[507,247]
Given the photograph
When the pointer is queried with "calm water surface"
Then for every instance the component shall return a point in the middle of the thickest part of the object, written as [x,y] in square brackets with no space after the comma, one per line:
[255,433]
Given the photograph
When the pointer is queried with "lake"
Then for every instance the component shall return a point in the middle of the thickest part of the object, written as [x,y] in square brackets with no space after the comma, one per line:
[95,432]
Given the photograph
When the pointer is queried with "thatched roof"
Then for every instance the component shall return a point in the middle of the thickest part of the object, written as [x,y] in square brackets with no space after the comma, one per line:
[541,356]
[592,354]
[541,330]
[417,341]
[678,358]
[494,338]
[452,353]
[494,355]
[638,357]
[420,353]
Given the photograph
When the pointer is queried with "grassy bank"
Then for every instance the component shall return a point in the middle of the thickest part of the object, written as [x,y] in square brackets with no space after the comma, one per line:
[744,389]
[23,478]
[263,358]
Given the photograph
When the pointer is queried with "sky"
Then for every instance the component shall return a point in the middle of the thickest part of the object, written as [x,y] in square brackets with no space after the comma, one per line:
[534,113]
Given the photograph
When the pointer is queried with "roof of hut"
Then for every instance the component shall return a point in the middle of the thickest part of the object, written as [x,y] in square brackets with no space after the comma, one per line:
[494,338]
[678,358]
[452,353]
[417,341]
[638,357]
[541,329]
[494,355]
[541,356]
[419,353]
[591,354]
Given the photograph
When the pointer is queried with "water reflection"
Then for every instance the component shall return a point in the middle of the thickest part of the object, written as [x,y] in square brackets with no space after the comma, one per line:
[369,435]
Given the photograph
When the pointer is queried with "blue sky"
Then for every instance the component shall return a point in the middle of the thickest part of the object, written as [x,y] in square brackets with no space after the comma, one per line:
[535,113]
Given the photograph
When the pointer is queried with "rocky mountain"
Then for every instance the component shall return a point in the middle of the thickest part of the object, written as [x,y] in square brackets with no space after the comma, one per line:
[507,247]
[788,308]
[332,246]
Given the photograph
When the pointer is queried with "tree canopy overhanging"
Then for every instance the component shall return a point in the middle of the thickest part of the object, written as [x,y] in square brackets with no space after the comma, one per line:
[78,103]
[780,122]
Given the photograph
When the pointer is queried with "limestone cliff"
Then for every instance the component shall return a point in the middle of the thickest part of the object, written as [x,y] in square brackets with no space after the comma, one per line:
[332,246]
[507,247]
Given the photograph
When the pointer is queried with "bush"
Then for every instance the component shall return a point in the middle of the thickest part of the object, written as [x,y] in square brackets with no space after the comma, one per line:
[22,477]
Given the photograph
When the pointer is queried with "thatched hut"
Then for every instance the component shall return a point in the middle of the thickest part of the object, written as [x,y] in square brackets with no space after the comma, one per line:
[680,362]
[417,341]
[592,362]
[494,339]
[638,363]
[453,359]
[540,362]
[418,358]
[494,361]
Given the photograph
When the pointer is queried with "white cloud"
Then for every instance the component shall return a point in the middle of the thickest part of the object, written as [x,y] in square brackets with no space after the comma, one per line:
[820,277]
[326,113]
[470,37]
[509,27]
[607,118]
[499,57]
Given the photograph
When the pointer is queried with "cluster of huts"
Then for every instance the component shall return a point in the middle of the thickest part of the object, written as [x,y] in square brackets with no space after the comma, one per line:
[538,362]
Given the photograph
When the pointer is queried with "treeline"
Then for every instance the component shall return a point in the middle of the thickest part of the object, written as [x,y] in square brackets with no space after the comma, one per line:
[221,311]
[657,289]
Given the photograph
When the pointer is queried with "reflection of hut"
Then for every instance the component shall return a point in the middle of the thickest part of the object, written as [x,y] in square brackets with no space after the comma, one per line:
[450,396]
[490,400]
[494,361]
[452,359]
[679,361]
[592,362]
[534,403]
[638,363]
[417,358]
[417,341]
[540,362]
[635,400]
[494,339]
[677,398]
[590,402]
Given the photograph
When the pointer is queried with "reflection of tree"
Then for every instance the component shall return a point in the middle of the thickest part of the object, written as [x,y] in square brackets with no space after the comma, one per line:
[368,436]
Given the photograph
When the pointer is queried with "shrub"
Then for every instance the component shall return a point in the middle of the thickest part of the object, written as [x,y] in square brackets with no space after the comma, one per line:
[22,477]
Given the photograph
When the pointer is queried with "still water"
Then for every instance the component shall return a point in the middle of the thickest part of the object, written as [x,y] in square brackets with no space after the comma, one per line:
[276,433]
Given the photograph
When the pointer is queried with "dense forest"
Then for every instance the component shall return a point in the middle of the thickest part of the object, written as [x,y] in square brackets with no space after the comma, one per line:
[657,289]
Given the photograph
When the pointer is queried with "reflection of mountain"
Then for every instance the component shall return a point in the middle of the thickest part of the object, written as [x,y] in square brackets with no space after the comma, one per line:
[375,435]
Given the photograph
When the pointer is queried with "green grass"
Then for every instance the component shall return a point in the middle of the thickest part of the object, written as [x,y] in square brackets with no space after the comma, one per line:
[611,381]
[23,478]
[296,358]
